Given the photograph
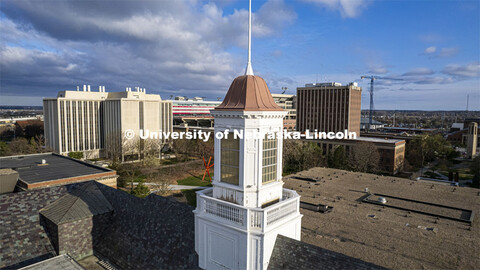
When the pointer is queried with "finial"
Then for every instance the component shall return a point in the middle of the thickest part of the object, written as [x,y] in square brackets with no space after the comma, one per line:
[249,69]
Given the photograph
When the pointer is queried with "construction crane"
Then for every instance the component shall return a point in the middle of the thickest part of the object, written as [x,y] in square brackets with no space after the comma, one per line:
[372,79]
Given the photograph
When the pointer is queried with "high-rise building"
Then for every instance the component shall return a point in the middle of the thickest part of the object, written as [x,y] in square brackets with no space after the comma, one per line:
[329,107]
[288,103]
[96,123]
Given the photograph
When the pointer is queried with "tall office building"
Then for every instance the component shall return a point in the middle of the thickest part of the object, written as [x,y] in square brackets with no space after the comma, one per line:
[96,123]
[329,107]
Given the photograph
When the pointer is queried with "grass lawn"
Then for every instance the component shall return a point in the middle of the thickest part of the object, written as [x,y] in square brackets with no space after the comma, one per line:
[463,173]
[170,161]
[193,181]
[196,181]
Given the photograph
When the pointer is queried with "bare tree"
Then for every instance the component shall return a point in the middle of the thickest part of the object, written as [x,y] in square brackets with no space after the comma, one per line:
[161,181]
[299,156]
[364,157]
[181,148]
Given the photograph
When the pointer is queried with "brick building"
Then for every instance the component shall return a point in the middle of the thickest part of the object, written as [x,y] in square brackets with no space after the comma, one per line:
[391,151]
[332,107]
[49,169]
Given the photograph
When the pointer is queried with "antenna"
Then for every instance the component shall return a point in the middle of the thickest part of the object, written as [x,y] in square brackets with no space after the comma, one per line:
[249,69]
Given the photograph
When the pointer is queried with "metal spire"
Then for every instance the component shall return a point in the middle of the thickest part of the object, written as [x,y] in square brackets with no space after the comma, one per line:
[249,69]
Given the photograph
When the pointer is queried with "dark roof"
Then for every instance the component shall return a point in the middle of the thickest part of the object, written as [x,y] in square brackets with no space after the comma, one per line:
[22,239]
[86,201]
[150,233]
[249,93]
[289,253]
[60,262]
[58,167]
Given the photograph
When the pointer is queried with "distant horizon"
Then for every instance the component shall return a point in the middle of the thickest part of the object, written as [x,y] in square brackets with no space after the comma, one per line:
[363,110]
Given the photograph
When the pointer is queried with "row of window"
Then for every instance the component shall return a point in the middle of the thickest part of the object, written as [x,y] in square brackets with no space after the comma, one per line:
[230,159]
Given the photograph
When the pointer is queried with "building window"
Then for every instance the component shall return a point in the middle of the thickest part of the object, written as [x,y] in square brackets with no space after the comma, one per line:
[230,159]
[269,160]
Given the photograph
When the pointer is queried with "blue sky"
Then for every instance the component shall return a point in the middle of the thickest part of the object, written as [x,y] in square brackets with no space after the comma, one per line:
[196,48]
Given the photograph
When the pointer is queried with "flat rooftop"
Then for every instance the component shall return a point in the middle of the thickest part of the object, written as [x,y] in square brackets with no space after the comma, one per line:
[31,170]
[378,140]
[385,236]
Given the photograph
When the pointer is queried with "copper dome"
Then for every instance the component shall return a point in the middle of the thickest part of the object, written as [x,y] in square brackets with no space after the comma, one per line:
[248,93]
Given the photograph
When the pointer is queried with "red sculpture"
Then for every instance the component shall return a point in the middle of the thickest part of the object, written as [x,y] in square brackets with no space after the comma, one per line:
[207,168]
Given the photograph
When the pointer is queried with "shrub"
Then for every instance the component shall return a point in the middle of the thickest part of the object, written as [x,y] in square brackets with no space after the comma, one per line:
[141,190]
[76,155]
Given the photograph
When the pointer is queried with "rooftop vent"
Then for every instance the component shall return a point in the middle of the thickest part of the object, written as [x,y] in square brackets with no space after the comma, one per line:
[43,162]
[382,200]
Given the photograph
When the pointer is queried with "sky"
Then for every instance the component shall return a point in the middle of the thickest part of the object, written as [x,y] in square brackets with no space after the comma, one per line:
[426,53]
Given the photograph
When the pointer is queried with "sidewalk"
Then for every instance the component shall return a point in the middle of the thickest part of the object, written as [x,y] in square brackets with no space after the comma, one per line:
[171,187]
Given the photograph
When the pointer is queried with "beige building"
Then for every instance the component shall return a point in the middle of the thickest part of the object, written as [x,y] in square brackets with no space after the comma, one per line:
[288,103]
[329,107]
[97,123]
[472,138]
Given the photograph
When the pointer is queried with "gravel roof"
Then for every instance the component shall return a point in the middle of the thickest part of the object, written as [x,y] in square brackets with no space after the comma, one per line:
[385,236]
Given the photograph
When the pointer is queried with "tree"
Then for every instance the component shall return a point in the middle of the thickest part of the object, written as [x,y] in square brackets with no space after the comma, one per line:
[141,190]
[128,173]
[204,149]
[4,149]
[162,181]
[20,146]
[428,148]
[181,148]
[337,158]
[299,156]
[364,157]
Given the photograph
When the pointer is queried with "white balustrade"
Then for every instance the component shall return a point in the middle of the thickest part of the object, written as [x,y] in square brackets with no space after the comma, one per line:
[254,218]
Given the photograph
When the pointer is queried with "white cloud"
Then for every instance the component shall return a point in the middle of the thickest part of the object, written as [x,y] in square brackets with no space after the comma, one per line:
[418,71]
[347,8]
[430,50]
[161,45]
[378,70]
[443,52]
[470,70]
[431,38]
[448,52]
